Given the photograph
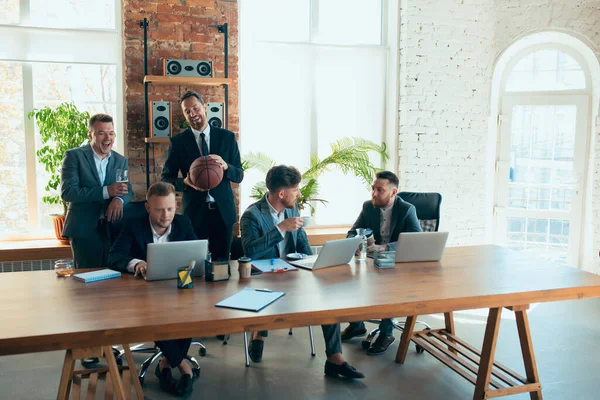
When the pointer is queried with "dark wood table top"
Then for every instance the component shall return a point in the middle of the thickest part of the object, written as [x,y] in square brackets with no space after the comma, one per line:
[42,312]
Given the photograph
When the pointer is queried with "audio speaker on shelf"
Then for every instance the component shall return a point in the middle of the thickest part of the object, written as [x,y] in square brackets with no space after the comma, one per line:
[214,114]
[199,68]
[160,119]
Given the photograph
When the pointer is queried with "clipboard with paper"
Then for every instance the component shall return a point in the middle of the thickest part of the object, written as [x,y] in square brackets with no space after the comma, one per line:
[250,299]
[272,265]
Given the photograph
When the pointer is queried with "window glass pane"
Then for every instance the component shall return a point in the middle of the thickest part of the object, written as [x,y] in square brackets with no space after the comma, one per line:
[13,179]
[349,22]
[72,14]
[546,70]
[275,20]
[10,12]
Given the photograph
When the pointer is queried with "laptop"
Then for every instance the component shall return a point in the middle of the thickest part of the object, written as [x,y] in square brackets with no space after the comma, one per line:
[334,252]
[164,258]
[420,246]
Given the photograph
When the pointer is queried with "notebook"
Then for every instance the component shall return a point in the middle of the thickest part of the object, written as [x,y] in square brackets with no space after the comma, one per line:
[250,299]
[94,276]
[278,265]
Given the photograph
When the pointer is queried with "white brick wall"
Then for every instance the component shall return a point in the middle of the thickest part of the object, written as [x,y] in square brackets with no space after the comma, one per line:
[447,53]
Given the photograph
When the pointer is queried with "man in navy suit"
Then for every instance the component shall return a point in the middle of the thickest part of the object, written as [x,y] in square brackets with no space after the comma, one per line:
[387,215]
[88,182]
[128,254]
[212,212]
[272,228]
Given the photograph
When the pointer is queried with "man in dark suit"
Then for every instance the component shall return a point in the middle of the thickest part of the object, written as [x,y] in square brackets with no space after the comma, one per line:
[89,184]
[272,228]
[387,215]
[212,212]
[128,254]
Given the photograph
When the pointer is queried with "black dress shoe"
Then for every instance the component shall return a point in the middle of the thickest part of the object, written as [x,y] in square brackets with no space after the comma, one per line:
[346,370]
[256,350]
[90,361]
[165,379]
[185,385]
[351,332]
[381,344]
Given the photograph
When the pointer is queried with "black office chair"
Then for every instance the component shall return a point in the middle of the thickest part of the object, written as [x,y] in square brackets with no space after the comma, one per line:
[428,214]
[134,210]
[237,251]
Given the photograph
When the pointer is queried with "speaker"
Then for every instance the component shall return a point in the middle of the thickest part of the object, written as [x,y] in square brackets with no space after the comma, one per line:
[214,114]
[173,67]
[160,119]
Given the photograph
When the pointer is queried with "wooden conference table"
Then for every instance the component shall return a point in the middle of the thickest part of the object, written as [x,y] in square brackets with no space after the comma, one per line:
[41,312]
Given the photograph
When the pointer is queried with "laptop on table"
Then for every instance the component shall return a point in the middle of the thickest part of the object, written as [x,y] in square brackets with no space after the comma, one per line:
[164,258]
[420,246]
[334,252]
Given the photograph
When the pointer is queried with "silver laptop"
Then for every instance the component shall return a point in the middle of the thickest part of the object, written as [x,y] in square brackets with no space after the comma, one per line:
[164,258]
[334,252]
[421,246]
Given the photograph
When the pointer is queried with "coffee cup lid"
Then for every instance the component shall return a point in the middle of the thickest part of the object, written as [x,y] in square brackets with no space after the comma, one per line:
[244,259]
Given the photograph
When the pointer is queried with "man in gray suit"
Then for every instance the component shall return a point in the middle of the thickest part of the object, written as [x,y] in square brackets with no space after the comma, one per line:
[272,228]
[387,215]
[89,184]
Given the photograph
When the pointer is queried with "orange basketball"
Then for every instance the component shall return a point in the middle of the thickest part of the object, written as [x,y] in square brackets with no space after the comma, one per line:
[205,173]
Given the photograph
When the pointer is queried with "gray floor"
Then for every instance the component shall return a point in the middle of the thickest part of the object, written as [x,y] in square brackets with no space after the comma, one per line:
[566,338]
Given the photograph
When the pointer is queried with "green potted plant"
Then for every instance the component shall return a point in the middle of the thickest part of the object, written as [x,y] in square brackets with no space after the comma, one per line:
[61,128]
[349,155]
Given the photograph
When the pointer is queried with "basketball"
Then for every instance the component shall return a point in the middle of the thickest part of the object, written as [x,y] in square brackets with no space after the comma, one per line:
[205,173]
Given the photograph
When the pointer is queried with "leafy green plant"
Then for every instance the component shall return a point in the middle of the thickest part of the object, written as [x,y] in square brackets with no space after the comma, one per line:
[349,155]
[61,128]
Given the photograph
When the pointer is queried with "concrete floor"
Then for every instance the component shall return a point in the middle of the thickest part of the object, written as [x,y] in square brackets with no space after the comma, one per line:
[566,337]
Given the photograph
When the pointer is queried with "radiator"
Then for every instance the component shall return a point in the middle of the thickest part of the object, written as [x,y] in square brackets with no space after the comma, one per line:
[29,265]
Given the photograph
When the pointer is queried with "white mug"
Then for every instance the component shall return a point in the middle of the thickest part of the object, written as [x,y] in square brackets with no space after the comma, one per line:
[307,221]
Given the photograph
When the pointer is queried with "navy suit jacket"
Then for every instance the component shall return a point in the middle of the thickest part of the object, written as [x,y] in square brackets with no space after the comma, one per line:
[183,151]
[137,234]
[404,219]
[260,236]
[80,186]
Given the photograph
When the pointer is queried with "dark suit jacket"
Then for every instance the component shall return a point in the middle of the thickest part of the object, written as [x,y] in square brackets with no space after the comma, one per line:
[80,186]
[137,234]
[404,219]
[260,236]
[182,152]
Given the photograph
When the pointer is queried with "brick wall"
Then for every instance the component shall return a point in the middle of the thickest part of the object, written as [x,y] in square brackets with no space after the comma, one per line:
[177,29]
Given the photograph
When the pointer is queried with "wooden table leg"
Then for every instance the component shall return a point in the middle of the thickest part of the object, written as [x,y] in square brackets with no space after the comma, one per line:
[527,350]
[64,387]
[114,372]
[134,376]
[449,320]
[409,327]
[487,353]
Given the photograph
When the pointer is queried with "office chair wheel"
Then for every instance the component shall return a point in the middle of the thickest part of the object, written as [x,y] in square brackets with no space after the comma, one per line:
[419,349]
[202,352]
[290,332]
[366,344]
[141,378]
[196,372]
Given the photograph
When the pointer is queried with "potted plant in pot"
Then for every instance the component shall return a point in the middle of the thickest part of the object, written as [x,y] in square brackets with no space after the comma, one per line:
[349,155]
[61,128]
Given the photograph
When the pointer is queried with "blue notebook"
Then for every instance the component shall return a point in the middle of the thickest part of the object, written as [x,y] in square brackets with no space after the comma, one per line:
[250,299]
[277,265]
[94,276]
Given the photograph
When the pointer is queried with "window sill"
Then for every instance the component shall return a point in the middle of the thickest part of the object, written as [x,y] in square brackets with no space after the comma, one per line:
[20,250]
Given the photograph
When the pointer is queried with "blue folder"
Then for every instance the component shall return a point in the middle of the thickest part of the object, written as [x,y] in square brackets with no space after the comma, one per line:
[250,299]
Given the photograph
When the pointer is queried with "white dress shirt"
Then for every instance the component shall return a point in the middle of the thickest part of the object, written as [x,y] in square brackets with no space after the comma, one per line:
[206,131]
[385,223]
[101,165]
[278,217]
[156,238]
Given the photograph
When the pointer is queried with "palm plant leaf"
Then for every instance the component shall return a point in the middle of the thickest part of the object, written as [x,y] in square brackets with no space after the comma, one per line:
[259,160]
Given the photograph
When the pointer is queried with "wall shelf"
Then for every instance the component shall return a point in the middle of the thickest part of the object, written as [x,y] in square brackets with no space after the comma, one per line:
[186,80]
[157,140]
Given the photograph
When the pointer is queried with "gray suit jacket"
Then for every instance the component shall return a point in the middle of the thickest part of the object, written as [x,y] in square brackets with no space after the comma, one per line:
[80,186]
[260,236]
[404,219]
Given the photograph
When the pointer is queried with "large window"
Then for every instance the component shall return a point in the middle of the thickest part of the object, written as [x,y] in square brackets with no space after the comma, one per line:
[312,72]
[50,52]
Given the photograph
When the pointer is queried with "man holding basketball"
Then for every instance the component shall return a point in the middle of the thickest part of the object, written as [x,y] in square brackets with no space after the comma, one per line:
[212,212]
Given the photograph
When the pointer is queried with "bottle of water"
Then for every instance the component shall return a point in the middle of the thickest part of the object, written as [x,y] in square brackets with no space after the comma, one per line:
[363,245]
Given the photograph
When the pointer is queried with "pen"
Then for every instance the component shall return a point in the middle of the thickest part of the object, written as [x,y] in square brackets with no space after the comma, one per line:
[263,290]
[191,266]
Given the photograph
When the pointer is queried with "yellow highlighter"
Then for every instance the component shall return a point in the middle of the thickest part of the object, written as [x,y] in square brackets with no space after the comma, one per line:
[186,275]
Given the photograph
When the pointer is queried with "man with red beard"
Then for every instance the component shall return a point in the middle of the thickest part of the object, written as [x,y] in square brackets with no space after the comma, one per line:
[88,183]
[212,212]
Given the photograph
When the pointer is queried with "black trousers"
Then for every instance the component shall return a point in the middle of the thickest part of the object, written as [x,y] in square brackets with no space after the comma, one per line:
[174,350]
[208,224]
[331,334]
[92,250]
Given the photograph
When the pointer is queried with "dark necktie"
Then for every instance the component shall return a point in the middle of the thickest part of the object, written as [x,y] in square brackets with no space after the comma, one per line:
[203,145]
